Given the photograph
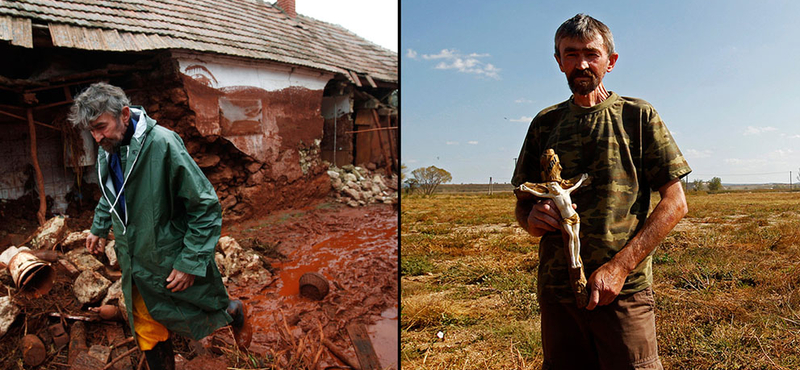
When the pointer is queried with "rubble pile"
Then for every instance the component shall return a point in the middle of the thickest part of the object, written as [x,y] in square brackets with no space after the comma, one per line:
[359,186]
[81,321]
[240,266]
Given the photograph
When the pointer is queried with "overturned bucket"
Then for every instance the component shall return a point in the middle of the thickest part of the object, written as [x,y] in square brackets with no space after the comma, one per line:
[31,274]
[313,285]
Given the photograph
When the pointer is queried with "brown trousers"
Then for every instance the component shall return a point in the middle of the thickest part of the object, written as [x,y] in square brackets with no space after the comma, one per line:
[619,336]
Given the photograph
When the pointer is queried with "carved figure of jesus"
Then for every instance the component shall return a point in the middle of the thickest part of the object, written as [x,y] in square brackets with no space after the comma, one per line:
[559,191]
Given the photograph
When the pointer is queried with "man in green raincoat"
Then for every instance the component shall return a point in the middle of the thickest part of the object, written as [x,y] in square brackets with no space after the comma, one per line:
[166,219]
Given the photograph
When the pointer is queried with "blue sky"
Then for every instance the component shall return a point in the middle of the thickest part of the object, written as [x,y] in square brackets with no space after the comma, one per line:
[722,75]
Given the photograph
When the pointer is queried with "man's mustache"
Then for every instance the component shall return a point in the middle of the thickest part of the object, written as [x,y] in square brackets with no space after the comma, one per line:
[581,73]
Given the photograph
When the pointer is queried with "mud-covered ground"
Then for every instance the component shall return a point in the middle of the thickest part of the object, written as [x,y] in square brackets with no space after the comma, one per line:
[354,248]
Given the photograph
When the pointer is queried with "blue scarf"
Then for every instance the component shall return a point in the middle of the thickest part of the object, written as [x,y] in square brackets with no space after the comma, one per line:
[117,175]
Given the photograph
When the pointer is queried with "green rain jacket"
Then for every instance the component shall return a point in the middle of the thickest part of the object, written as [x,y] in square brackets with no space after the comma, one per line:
[173,220]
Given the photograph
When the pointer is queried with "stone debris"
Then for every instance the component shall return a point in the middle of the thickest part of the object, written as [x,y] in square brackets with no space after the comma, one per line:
[358,186]
[8,313]
[111,253]
[241,266]
[114,297]
[90,287]
[75,240]
[83,260]
[9,253]
[50,234]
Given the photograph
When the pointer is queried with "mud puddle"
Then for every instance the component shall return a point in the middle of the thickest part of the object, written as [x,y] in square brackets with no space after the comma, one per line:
[360,263]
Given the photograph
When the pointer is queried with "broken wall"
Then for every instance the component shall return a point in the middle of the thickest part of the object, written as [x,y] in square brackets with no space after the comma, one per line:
[256,131]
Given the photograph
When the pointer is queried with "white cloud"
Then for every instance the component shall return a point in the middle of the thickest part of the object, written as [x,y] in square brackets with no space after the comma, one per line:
[523,101]
[472,142]
[411,54]
[695,154]
[752,130]
[453,59]
[747,162]
[444,54]
[525,119]
[452,143]
[780,154]
[794,137]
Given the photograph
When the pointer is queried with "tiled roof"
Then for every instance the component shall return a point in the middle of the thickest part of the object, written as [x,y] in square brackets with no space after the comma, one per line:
[245,28]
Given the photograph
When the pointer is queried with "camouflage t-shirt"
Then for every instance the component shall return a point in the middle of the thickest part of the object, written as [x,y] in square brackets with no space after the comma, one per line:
[628,152]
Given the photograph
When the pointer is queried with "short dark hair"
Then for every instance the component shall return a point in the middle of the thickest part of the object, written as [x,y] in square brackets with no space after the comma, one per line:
[584,27]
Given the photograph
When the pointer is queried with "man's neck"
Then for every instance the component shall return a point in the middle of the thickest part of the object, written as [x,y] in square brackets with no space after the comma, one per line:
[593,98]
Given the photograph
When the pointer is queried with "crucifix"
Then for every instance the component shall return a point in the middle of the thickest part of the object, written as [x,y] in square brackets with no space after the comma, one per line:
[559,190]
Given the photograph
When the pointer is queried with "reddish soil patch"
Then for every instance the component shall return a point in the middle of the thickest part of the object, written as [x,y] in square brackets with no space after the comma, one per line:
[354,248]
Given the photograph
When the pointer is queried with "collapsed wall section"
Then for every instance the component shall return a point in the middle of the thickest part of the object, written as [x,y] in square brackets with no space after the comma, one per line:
[255,130]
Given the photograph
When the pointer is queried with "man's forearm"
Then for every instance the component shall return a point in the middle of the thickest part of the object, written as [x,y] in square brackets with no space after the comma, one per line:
[665,216]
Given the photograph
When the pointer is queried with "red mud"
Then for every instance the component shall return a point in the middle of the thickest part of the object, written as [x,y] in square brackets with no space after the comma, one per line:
[356,250]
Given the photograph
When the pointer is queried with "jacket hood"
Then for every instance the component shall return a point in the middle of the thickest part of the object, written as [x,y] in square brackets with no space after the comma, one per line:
[138,113]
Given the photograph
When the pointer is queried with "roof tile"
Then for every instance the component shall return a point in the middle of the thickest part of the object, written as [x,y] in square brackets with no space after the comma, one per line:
[233,27]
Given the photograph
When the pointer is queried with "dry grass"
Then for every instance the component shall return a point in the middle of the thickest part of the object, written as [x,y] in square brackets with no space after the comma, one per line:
[726,283]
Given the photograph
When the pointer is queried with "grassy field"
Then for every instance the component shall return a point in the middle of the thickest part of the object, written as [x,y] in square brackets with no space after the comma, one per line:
[726,284]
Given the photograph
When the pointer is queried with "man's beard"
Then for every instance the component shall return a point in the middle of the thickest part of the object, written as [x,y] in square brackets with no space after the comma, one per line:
[582,87]
[110,145]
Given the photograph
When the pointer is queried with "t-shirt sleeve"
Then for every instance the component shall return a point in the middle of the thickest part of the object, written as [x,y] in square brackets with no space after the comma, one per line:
[664,162]
[527,169]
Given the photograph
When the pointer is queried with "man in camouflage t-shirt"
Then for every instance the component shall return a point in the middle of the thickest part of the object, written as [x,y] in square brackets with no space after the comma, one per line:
[628,152]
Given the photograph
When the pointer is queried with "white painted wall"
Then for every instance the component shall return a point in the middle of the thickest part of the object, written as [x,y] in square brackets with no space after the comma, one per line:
[223,72]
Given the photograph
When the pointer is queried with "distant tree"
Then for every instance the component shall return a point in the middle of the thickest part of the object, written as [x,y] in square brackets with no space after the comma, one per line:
[410,185]
[403,171]
[715,184]
[429,178]
[697,185]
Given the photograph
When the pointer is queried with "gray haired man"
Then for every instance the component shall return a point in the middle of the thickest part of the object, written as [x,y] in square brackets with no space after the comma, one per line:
[166,219]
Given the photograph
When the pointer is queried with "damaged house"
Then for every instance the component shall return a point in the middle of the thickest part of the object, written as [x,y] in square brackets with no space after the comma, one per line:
[262,97]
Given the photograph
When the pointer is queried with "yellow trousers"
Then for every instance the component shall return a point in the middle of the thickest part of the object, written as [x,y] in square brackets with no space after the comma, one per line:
[148,331]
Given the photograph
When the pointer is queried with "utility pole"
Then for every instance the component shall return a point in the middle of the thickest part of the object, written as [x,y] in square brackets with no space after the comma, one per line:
[490,185]
[790,180]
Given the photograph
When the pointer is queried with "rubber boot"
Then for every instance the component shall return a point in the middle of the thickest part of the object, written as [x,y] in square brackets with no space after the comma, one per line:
[242,331]
[161,357]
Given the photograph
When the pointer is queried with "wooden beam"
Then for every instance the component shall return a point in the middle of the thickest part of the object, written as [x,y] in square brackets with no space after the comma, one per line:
[389,157]
[391,141]
[39,177]
[371,129]
[355,78]
[371,82]
[367,357]
[29,118]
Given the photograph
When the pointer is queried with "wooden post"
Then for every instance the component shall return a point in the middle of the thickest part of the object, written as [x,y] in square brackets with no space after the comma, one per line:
[39,177]
[391,141]
[380,141]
